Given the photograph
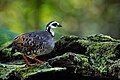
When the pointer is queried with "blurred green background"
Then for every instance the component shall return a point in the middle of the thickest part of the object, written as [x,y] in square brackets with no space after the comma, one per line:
[78,17]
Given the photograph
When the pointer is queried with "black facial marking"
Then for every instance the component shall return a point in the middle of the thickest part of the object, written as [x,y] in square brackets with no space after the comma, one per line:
[55,24]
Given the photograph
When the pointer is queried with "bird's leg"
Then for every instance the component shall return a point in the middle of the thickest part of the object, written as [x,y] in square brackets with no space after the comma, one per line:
[26,60]
[37,60]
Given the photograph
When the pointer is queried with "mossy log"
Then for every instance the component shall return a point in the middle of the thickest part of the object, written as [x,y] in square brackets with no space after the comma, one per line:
[73,57]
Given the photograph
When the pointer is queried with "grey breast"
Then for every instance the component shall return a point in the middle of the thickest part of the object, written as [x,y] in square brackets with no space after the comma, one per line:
[42,42]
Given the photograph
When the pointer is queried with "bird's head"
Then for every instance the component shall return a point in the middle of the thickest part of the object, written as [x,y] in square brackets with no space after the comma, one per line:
[52,24]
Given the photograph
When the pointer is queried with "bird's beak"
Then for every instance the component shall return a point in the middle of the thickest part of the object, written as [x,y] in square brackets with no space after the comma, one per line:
[59,25]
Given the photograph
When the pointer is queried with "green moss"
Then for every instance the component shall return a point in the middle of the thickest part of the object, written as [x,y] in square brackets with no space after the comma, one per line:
[6,69]
[101,38]
[27,71]
[83,43]
[5,45]
[114,68]
[97,54]
[76,62]
[24,72]
[100,54]
[102,48]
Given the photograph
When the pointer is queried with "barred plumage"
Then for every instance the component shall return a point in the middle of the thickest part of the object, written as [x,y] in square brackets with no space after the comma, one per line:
[39,42]
[35,42]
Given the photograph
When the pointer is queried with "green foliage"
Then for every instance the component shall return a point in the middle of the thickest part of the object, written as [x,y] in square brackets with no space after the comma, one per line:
[77,16]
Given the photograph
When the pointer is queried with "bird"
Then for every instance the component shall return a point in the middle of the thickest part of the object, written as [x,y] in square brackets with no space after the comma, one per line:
[35,43]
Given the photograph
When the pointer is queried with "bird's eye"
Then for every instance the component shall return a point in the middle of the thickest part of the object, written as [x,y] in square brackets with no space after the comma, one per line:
[55,24]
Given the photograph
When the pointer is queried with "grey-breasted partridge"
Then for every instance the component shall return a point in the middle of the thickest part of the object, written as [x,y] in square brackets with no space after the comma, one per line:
[35,43]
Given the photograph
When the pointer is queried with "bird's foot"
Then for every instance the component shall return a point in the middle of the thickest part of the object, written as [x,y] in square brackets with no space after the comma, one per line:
[38,61]
[33,58]
[26,60]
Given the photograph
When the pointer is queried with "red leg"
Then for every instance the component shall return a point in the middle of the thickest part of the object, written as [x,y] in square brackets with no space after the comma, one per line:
[26,60]
[37,60]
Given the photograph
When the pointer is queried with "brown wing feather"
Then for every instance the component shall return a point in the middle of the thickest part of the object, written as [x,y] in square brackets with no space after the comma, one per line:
[21,44]
[19,40]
